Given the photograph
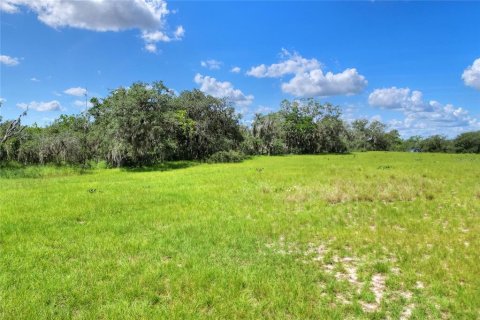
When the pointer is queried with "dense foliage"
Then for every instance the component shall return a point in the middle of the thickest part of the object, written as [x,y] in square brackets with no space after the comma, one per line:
[146,124]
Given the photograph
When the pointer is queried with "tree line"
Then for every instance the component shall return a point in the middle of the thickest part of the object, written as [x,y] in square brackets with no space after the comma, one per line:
[146,124]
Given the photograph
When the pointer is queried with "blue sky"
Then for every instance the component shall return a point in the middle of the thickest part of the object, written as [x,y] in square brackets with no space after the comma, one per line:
[413,65]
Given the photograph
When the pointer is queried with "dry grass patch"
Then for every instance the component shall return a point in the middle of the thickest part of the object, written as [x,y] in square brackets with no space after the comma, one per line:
[368,190]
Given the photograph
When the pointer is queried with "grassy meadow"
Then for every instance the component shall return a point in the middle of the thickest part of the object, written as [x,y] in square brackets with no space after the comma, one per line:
[367,235]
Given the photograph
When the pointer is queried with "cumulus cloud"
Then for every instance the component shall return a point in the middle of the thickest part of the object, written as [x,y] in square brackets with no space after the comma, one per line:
[8,7]
[211,64]
[471,75]
[76,91]
[293,63]
[421,115]
[9,61]
[224,89]
[402,99]
[308,79]
[101,15]
[315,83]
[53,105]
[235,70]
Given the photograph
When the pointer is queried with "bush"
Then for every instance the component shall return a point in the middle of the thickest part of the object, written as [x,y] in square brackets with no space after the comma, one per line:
[226,156]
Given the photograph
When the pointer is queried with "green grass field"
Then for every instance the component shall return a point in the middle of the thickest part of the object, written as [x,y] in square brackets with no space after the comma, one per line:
[370,235]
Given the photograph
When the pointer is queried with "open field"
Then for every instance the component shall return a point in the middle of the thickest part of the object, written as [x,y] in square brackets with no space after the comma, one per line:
[366,235]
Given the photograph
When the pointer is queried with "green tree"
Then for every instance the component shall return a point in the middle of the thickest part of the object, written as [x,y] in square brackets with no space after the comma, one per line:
[468,142]
[205,125]
[435,143]
[269,132]
[131,126]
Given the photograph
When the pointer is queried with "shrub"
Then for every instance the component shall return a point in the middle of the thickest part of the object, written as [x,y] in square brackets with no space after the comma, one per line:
[226,156]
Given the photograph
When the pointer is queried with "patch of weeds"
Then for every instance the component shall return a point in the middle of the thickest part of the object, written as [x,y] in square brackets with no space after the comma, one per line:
[381,267]
[384,167]
[429,196]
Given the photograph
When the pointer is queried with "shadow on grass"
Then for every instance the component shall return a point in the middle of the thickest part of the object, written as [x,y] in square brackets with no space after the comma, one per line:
[19,171]
[164,166]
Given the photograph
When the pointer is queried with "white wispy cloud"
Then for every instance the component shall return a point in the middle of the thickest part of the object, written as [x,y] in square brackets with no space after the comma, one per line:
[224,89]
[421,115]
[308,79]
[103,15]
[53,105]
[9,61]
[151,47]
[76,91]
[179,33]
[152,37]
[211,64]
[235,70]
[471,75]
[34,79]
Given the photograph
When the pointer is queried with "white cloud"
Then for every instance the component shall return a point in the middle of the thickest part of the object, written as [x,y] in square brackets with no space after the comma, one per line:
[220,89]
[421,116]
[402,99]
[471,75]
[308,79]
[9,61]
[102,15]
[151,47]
[179,32]
[235,70]
[77,91]
[155,36]
[8,7]
[81,104]
[294,64]
[53,105]
[211,64]
[96,15]
[34,79]
[152,37]
[315,83]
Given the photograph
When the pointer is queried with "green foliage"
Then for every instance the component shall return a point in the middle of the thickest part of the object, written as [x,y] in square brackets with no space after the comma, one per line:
[132,124]
[147,124]
[304,126]
[226,156]
[436,143]
[212,126]
[468,142]
[372,136]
